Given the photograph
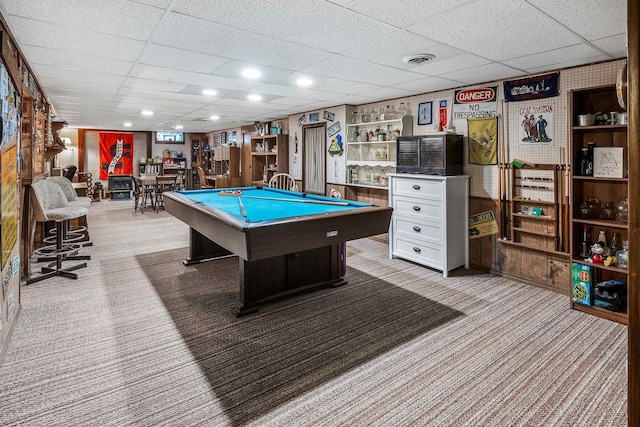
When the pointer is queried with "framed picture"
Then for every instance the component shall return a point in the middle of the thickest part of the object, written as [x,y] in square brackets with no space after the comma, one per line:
[425,116]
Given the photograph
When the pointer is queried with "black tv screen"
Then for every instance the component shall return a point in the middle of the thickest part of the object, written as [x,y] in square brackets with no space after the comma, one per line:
[169,137]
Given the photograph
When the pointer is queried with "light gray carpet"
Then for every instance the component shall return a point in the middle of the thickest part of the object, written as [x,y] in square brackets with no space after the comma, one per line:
[141,339]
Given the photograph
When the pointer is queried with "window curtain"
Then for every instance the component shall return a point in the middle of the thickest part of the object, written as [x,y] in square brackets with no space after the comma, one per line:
[314,160]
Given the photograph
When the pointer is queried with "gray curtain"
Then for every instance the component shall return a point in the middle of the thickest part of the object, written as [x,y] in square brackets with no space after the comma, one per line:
[314,152]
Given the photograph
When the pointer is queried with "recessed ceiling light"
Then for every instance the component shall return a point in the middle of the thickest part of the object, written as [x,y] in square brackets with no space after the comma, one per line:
[214,117]
[146,113]
[127,124]
[178,127]
[250,73]
[304,81]
[254,97]
[210,92]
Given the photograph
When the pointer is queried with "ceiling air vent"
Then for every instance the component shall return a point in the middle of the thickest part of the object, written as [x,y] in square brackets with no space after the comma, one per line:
[419,58]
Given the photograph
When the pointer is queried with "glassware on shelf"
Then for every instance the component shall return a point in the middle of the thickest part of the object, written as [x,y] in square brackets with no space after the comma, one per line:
[622,210]
[607,211]
[374,116]
[393,114]
[402,110]
[354,117]
[623,255]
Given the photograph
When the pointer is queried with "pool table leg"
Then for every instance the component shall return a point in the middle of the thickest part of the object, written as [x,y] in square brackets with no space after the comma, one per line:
[272,279]
[202,249]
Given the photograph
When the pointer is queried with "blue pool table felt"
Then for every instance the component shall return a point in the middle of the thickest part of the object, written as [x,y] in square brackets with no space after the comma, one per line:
[263,210]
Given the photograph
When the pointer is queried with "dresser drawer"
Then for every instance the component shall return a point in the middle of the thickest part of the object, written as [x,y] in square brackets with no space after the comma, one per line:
[419,188]
[424,210]
[417,230]
[417,251]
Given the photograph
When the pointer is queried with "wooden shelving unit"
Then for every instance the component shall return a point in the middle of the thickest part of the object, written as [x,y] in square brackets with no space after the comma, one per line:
[604,189]
[535,210]
[269,155]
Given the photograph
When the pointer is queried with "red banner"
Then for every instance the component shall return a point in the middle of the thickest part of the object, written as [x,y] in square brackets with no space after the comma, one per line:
[116,154]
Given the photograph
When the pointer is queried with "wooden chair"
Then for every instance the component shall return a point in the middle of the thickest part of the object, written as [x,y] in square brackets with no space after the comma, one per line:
[283,181]
[164,183]
[202,177]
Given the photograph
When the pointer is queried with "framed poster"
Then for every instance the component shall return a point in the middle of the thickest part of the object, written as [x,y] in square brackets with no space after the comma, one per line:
[425,110]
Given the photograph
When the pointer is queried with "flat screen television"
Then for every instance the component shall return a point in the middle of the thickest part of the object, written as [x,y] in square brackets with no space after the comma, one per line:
[169,137]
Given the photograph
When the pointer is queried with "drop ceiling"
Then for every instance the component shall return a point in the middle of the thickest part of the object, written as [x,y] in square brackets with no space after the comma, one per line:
[101,62]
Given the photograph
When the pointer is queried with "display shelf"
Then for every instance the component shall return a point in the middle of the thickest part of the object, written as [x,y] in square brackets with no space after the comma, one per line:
[371,150]
[540,232]
[586,188]
[269,155]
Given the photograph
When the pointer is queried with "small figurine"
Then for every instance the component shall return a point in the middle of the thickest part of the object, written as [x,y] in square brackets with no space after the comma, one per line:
[597,250]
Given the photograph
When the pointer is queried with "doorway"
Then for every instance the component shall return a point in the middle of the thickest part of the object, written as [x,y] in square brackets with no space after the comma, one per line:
[314,141]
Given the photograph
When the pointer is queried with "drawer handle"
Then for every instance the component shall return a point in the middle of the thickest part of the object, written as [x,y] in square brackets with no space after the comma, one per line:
[417,229]
[416,208]
[416,187]
[417,250]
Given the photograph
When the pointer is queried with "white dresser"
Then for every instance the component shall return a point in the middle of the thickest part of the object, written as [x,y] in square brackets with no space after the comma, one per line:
[430,222]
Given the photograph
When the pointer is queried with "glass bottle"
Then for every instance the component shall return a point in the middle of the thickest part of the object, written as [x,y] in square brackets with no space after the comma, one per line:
[586,242]
[614,247]
[590,147]
[584,162]
[402,110]
[354,117]
[393,114]
[623,255]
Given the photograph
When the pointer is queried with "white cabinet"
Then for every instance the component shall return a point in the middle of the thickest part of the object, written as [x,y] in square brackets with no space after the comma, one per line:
[371,150]
[430,222]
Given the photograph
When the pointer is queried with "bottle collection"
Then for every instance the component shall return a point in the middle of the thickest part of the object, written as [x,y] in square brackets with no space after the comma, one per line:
[384,113]
[616,253]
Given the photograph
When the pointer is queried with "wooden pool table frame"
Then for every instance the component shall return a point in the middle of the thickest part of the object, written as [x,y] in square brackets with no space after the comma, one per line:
[281,257]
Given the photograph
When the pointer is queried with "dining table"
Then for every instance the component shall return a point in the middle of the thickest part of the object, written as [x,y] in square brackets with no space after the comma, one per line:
[149,184]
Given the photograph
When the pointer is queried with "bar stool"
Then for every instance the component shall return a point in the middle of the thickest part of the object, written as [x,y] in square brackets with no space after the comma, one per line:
[50,204]
[72,234]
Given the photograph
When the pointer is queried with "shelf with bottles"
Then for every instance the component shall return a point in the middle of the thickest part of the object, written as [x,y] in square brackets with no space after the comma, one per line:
[598,224]
[269,155]
[369,176]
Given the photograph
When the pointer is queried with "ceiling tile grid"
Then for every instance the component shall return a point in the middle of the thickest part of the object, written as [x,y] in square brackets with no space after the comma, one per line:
[100,62]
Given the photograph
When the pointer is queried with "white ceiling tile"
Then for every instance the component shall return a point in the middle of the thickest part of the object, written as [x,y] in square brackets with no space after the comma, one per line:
[296,92]
[316,24]
[552,57]
[586,17]
[402,13]
[233,69]
[77,87]
[518,26]
[221,40]
[354,100]
[430,84]
[67,74]
[170,57]
[354,69]
[30,31]
[347,87]
[441,67]
[567,64]
[136,83]
[64,58]
[387,93]
[189,77]
[615,46]
[484,73]
[163,4]
[390,49]
[292,102]
[137,22]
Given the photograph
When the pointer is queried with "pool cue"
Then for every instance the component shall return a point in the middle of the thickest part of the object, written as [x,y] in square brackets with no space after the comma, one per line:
[243,211]
[319,202]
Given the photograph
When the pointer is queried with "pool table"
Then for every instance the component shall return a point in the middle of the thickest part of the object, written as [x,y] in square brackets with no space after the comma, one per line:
[287,242]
